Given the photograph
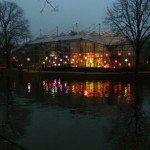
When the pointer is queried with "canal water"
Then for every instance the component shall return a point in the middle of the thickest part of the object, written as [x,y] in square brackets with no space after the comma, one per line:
[48,113]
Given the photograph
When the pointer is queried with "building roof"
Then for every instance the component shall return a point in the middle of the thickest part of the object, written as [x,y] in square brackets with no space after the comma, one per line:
[105,39]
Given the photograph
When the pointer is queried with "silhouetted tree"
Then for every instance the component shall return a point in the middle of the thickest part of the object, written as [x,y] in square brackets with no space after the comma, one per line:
[13,27]
[132,19]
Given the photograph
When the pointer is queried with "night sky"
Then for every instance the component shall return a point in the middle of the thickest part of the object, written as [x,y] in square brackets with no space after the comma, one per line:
[88,14]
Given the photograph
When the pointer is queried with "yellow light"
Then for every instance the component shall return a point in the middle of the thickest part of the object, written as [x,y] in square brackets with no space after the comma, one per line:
[28,59]
[126,60]
[29,87]
[85,92]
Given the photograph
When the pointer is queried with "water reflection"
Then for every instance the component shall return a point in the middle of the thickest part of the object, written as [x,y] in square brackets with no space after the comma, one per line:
[130,128]
[101,89]
[12,114]
[78,114]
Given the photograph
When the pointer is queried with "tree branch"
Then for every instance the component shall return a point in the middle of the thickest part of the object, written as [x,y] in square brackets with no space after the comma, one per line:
[47,2]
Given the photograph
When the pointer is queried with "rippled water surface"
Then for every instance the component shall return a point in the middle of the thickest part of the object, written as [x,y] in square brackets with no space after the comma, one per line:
[40,113]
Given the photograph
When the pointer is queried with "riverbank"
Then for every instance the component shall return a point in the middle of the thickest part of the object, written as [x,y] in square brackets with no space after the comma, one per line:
[79,74]
[91,74]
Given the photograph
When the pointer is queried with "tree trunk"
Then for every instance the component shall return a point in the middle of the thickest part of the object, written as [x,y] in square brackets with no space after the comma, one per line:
[7,59]
[137,52]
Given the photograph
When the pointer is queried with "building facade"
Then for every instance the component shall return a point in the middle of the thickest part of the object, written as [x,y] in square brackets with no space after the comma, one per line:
[104,51]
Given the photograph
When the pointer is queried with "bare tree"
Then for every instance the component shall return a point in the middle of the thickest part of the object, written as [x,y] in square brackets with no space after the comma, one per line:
[13,27]
[132,19]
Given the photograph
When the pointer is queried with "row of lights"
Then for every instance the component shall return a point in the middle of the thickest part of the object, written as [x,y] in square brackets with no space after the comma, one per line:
[53,59]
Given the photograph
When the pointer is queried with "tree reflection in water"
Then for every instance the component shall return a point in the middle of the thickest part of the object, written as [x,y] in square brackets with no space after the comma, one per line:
[14,117]
[131,129]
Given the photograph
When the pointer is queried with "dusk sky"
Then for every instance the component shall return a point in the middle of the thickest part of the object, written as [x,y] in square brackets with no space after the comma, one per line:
[88,14]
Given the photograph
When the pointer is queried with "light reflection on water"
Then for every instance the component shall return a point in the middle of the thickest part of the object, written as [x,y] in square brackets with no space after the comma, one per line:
[101,89]
[81,114]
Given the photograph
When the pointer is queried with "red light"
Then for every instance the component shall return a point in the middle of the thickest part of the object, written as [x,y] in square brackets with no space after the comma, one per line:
[129,87]
[120,64]
[115,61]
[129,53]
[104,61]
[106,54]
[129,64]
[118,97]
[119,53]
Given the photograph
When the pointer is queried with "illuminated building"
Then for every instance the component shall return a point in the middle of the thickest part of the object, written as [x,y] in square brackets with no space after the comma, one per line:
[79,50]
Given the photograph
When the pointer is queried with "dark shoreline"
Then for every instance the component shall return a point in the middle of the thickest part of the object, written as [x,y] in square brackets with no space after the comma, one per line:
[78,74]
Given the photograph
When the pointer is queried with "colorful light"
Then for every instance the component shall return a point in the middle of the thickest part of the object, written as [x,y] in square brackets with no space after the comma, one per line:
[106,54]
[115,61]
[129,64]
[129,53]
[119,54]
[126,60]
[120,64]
